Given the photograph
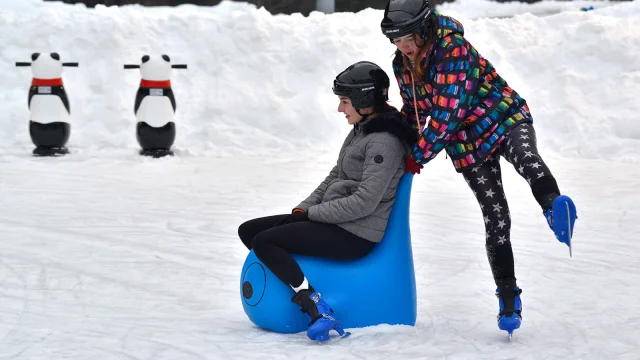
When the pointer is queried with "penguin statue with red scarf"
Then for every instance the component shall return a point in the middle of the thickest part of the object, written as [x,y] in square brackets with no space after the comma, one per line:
[155,106]
[48,104]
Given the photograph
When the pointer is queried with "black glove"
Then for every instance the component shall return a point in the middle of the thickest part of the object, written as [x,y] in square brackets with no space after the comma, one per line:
[291,218]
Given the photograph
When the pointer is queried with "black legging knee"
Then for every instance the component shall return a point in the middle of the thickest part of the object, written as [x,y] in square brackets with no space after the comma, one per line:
[274,245]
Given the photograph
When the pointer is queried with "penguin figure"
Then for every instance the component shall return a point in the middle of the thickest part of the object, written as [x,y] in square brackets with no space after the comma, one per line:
[155,106]
[49,105]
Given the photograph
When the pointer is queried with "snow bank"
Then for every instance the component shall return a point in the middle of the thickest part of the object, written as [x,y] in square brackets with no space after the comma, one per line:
[260,84]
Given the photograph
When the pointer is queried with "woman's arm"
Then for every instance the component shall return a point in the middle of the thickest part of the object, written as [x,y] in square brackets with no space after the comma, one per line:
[384,155]
[455,83]
[318,193]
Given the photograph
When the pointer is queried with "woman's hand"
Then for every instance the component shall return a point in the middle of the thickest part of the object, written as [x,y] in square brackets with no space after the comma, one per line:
[295,217]
[412,166]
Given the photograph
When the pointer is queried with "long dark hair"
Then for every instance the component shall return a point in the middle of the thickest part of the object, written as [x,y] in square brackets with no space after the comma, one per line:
[429,38]
[383,108]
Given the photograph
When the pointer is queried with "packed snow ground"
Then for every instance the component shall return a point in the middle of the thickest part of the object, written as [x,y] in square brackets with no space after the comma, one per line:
[108,255]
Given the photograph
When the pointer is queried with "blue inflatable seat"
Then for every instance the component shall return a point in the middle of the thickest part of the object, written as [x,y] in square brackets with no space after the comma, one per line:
[377,289]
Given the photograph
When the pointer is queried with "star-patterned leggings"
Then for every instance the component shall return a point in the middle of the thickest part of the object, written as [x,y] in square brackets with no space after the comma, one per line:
[519,148]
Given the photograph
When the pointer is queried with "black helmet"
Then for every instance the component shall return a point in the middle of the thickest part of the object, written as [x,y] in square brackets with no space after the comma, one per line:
[404,17]
[364,83]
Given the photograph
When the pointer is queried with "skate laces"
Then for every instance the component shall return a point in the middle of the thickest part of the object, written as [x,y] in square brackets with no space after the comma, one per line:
[315,297]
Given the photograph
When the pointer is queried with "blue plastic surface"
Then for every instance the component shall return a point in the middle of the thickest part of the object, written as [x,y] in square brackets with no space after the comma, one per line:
[377,289]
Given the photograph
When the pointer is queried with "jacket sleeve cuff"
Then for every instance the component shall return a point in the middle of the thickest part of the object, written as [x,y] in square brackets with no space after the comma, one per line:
[303,206]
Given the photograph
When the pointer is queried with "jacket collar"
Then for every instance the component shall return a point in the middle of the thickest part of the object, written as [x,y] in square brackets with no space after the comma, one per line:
[392,122]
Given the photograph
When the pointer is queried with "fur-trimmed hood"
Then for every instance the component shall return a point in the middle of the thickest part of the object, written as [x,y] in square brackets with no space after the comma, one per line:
[394,123]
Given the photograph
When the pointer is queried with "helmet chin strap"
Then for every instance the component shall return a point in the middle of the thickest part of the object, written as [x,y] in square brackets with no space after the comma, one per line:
[364,116]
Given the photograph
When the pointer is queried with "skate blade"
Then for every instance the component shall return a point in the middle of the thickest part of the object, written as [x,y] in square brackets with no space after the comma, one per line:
[326,339]
[510,334]
[569,229]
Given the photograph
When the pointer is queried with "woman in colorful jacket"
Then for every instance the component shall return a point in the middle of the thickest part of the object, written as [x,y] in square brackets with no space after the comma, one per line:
[462,105]
[347,214]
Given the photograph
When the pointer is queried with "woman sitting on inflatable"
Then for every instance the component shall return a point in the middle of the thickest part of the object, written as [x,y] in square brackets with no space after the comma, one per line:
[347,214]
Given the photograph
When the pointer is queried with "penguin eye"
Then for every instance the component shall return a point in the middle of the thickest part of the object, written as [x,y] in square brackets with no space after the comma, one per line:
[34,56]
[166,58]
[145,58]
[55,56]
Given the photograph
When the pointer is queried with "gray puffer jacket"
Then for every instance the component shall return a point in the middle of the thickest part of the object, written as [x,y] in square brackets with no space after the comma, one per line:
[360,190]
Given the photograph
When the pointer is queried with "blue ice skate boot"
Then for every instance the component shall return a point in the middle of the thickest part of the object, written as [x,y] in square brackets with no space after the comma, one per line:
[322,319]
[510,316]
[561,217]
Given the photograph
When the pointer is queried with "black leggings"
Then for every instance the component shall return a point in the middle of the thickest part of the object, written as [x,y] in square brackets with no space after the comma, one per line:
[274,245]
[519,148]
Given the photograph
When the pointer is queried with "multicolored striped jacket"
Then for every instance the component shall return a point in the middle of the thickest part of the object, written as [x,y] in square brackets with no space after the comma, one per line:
[471,107]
